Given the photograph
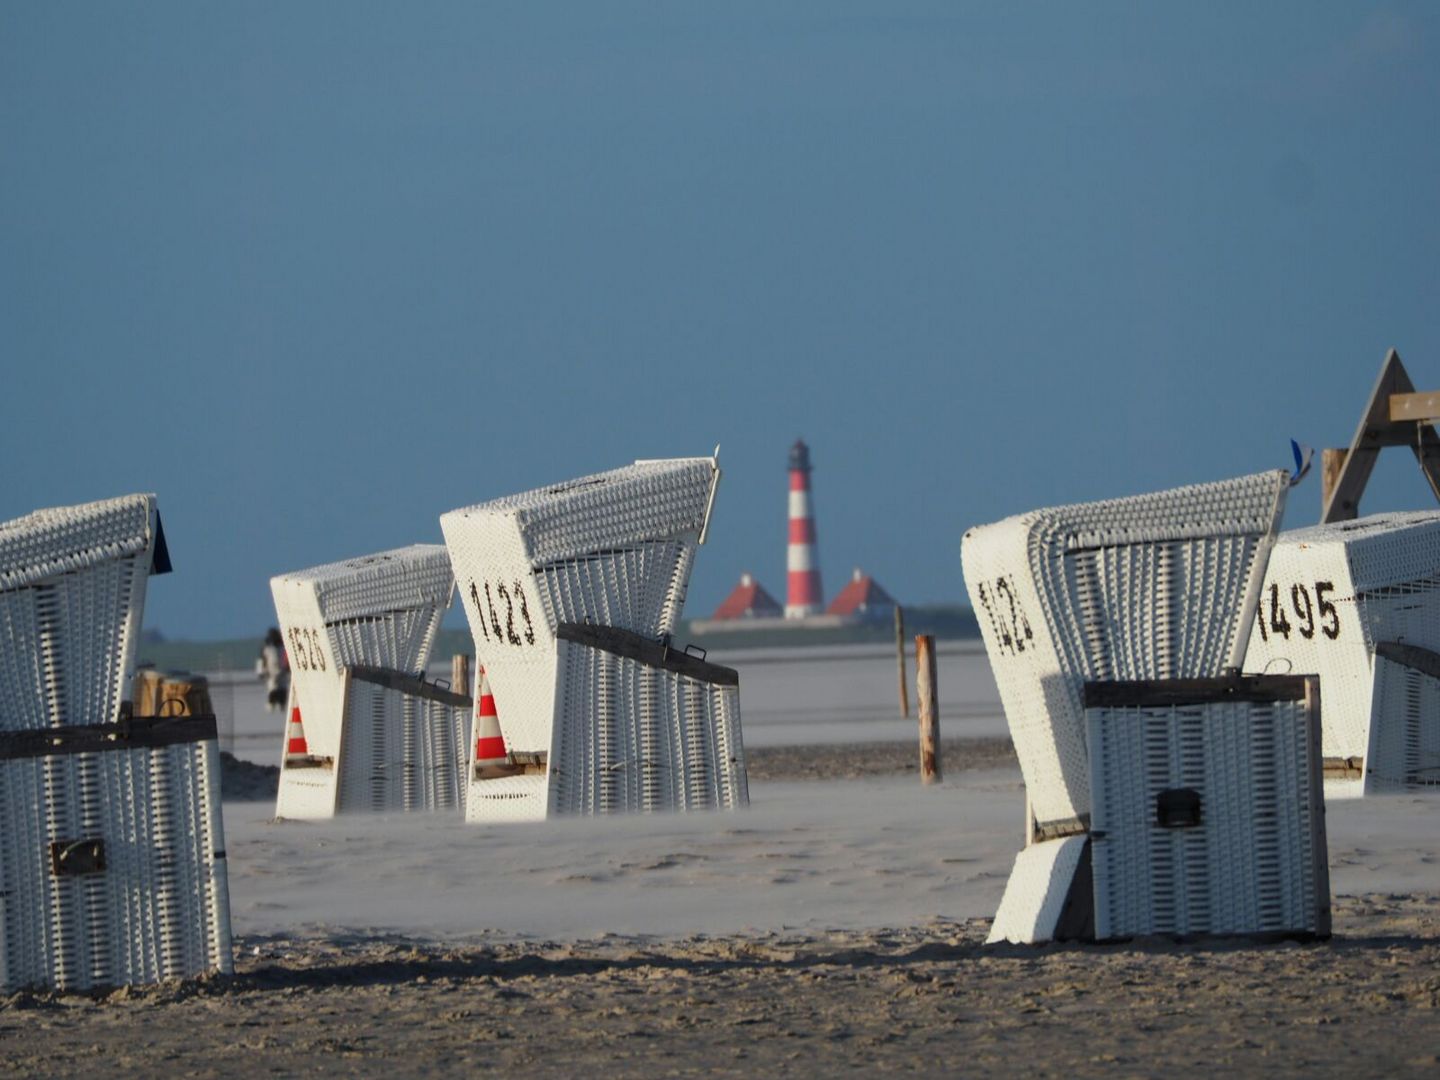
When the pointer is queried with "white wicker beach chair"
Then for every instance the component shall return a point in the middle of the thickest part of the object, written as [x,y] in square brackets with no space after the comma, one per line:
[1156,587]
[112,850]
[1358,603]
[370,733]
[572,593]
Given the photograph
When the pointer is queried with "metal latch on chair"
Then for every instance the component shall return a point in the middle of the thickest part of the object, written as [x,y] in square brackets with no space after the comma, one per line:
[1177,808]
[71,858]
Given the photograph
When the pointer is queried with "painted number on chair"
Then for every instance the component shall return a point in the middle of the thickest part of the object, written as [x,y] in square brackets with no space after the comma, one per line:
[306,651]
[502,612]
[1007,618]
[1315,615]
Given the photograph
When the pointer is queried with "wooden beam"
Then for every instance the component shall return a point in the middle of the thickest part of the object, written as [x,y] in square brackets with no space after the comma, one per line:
[1172,692]
[1376,430]
[1331,461]
[1344,768]
[1417,657]
[1421,407]
[1426,448]
[414,685]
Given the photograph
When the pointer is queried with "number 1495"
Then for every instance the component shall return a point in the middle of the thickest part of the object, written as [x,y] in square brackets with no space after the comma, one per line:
[1311,610]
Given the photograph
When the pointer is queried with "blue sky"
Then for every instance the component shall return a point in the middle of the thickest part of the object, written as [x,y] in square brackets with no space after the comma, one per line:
[316,273]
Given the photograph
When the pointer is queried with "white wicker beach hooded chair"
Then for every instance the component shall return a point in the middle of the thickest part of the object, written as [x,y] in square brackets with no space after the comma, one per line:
[366,732]
[1152,588]
[112,849]
[1358,603]
[572,592]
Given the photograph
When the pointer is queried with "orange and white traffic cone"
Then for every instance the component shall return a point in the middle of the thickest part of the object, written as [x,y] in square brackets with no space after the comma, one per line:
[296,750]
[489,743]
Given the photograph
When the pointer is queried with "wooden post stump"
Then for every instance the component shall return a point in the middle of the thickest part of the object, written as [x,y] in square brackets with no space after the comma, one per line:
[1332,461]
[927,692]
[900,659]
[460,674]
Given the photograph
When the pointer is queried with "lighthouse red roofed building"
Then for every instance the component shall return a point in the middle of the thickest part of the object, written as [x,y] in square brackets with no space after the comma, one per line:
[803,595]
[863,598]
[748,600]
[750,608]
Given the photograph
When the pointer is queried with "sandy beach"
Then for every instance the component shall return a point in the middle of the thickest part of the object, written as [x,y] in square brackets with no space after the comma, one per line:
[926,999]
[835,925]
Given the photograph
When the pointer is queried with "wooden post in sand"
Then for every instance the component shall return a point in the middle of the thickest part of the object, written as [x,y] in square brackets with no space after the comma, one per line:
[460,674]
[927,693]
[900,659]
[1332,461]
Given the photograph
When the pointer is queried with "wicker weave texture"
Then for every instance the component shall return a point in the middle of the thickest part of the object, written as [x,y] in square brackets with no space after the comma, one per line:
[1035,892]
[401,753]
[631,737]
[640,588]
[1254,864]
[402,579]
[1403,753]
[160,907]
[1152,586]
[1331,593]
[72,592]
[62,540]
[615,509]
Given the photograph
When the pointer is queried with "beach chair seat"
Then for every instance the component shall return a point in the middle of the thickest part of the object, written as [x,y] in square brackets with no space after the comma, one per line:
[1208,815]
[1208,819]
[365,732]
[1358,603]
[572,593]
[112,854]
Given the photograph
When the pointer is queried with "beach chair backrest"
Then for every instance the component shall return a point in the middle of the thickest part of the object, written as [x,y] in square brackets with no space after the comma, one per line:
[72,595]
[612,551]
[1152,586]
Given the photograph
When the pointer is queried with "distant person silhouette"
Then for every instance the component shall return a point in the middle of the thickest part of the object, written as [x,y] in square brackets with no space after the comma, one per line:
[273,666]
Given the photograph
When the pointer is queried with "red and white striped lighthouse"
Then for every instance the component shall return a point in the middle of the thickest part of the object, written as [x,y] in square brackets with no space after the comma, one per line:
[803,594]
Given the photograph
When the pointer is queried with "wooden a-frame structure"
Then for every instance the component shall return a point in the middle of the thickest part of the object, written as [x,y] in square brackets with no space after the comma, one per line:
[1396,415]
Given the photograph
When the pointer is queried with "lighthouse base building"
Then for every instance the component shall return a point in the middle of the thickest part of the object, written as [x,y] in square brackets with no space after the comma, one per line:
[749,607]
